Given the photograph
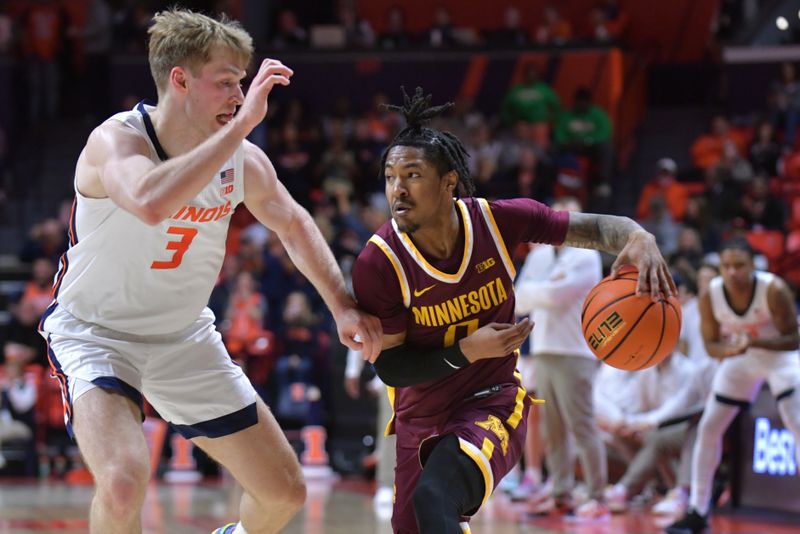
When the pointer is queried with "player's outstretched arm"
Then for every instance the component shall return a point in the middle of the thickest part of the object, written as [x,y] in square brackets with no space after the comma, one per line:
[402,364]
[268,200]
[116,164]
[632,245]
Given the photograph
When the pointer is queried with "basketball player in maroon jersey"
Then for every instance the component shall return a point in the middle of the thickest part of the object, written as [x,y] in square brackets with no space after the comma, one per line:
[439,276]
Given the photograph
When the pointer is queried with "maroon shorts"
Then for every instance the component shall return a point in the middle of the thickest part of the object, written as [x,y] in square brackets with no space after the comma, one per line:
[491,431]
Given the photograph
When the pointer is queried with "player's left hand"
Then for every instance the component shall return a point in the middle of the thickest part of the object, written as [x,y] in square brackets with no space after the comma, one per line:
[360,331]
[642,251]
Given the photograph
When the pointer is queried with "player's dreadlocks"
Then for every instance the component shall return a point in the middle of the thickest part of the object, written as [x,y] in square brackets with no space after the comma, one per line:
[442,149]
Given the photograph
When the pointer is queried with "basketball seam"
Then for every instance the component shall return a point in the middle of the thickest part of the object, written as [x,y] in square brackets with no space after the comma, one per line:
[596,291]
[631,329]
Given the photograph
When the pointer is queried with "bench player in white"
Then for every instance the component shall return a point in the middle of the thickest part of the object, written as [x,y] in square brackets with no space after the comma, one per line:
[749,321]
[155,188]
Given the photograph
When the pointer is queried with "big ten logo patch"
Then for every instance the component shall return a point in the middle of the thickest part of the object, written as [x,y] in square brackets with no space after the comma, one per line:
[496,427]
[484,265]
[606,330]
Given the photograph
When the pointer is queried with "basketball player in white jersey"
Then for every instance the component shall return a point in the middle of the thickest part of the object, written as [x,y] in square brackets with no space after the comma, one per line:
[155,189]
[749,321]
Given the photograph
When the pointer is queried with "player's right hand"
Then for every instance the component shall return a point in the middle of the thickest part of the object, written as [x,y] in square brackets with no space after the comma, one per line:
[495,340]
[254,108]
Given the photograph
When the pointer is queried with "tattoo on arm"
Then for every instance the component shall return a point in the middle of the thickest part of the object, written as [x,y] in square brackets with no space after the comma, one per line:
[608,233]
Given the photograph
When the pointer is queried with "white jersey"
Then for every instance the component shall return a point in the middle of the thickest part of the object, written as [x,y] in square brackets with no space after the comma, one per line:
[756,321]
[128,276]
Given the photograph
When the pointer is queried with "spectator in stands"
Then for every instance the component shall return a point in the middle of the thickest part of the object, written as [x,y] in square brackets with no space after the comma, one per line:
[698,216]
[688,256]
[225,287]
[43,26]
[289,34]
[94,37]
[760,208]
[660,224]
[666,185]
[47,239]
[554,29]
[23,342]
[396,37]
[243,326]
[513,33]
[300,371]
[441,34]
[532,100]
[586,130]
[670,394]
[607,22]
[293,160]
[732,166]
[337,163]
[17,403]
[130,27]
[707,149]
[764,150]
[481,146]
[785,103]
[358,32]
[532,177]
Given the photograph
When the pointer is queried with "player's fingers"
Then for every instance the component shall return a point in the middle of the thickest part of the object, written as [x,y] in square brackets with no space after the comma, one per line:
[670,281]
[655,283]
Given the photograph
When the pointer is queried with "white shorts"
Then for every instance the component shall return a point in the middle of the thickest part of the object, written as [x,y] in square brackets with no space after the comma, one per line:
[740,378]
[188,376]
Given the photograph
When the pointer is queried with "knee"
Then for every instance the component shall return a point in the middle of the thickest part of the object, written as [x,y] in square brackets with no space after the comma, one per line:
[289,494]
[427,496]
[122,486]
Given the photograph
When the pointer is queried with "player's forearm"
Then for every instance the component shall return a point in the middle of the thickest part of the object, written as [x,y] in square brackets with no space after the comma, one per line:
[312,255]
[166,188]
[786,342]
[609,233]
[408,365]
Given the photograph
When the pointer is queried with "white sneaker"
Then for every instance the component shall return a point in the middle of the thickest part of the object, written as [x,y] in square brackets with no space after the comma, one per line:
[617,498]
[673,503]
[591,510]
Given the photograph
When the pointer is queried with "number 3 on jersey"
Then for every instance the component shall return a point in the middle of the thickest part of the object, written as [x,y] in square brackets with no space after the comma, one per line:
[180,247]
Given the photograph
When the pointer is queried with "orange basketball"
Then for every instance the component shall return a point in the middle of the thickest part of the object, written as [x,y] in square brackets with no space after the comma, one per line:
[626,331]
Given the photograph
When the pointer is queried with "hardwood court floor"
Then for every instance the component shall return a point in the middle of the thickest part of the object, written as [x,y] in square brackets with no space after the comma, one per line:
[339,507]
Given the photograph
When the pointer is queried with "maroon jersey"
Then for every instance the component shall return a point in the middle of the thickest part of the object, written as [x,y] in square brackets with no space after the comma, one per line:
[439,302]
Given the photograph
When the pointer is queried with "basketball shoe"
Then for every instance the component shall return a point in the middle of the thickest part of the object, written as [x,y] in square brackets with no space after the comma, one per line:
[691,523]
[227,529]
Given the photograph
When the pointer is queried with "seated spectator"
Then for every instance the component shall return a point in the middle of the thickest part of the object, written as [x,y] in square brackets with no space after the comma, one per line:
[660,224]
[761,209]
[441,34]
[289,33]
[530,178]
[296,381]
[732,166]
[554,30]
[396,37]
[23,342]
[586,130]
[688,256]
[698,216]
[671,396]
[513,33]
[668,187]
[532,100]
[293,164]
[47,239]
[243,328]
[764,150]
[615,398]
[358,32]
[17,402]
[707,150]
[607,22]
[785,104]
